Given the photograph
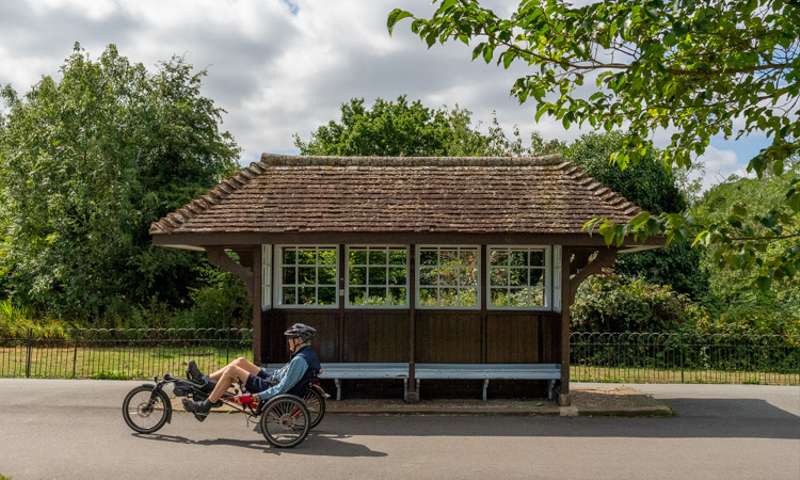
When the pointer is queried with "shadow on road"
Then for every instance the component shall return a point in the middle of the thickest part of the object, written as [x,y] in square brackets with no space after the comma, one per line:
[696,418]
[315,444]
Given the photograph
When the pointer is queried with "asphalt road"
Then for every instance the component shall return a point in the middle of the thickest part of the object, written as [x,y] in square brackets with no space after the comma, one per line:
[53,429]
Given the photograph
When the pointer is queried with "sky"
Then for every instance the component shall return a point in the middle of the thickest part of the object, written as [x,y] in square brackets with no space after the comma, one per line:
[280,67]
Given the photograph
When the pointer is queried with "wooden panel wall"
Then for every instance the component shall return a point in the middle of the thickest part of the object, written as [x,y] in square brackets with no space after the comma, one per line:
[448,336]
[442,336]
[375,336]
[325,321]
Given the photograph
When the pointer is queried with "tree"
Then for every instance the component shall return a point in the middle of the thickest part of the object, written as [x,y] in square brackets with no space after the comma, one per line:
[694,69]
[403,128]
[654,188]
[87,162]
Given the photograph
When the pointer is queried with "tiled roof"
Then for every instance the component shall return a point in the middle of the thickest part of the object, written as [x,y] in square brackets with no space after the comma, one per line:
[401,194]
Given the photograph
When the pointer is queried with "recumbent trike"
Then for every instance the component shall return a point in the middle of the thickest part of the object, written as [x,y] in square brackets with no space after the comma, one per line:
[284,420]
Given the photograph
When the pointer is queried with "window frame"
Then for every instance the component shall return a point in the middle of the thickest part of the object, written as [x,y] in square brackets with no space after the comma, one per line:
[418,267]
[547,276]
[277,280]
[407,285]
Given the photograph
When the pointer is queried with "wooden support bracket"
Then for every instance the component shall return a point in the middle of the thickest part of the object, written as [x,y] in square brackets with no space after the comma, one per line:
[218,257]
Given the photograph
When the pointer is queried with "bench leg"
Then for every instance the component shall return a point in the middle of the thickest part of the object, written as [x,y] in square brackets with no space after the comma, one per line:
[485,389]
[338,388]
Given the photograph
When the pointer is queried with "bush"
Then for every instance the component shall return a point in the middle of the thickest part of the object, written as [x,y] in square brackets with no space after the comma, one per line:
[16,322]
[618,303]
[221,303]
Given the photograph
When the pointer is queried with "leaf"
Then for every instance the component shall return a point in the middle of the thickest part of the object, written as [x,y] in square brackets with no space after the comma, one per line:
[395,16]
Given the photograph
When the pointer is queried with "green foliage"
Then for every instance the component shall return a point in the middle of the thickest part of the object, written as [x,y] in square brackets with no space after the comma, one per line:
[403,128]
[87,162]
[16,322]
[654,188]
[220,303]
[776,307]
[699,69]
[618,303]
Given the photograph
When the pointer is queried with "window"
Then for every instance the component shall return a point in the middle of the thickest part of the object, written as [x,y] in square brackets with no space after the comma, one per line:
[307,276]
[377,276]
[517,277]
[448,277]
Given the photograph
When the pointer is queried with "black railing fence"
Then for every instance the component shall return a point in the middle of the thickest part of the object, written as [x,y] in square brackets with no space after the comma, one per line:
[684,358]
[596,357]
[121,353]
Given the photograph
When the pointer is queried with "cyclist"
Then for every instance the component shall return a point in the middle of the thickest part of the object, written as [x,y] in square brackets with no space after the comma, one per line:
[292,378]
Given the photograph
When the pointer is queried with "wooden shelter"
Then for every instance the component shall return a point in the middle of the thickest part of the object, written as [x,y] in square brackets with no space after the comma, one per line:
[433,268]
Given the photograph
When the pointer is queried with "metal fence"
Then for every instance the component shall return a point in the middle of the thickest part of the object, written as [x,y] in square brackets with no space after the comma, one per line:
[596,357]
[684,358]
[121,353]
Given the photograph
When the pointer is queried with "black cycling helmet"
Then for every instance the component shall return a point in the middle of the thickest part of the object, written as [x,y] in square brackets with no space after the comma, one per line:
[301,331]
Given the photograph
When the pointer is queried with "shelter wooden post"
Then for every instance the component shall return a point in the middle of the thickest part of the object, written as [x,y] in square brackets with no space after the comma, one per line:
[576,266]
[412,395]
[249,271]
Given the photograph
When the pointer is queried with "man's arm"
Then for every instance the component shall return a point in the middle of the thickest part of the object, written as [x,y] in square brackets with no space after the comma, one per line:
[294,372]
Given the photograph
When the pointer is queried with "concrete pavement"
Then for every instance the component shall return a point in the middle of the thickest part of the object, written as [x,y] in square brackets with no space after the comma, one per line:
[73,429]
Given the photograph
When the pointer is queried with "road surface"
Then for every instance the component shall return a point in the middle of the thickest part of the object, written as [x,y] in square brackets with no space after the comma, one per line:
[54,429]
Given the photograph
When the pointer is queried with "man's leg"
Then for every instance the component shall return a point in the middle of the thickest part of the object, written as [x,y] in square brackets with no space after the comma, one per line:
[230,374]
[240,362]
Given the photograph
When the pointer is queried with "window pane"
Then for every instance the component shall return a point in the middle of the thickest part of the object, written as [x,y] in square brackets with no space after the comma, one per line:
[327,256]
[397,296]
[448,297]
[306,275]
[470,258]
[376,295]
[537,258]
[468,277]
[358,275]
[519,277]
[499,277]
[427,276]
[499,297]
[377,276]
[448,275]
[397,276]
[447,255]
[397,256]
[377,257]
[326,276]
[289,257]
[306,295]
[537,276]
[427,296]
[306,256]
[428,257]
[498,257]
[289,296]
[536,295]
[289,277]
[519,258]
[468,297]
[518,297]
[358,256]
[327,295]
[358,295]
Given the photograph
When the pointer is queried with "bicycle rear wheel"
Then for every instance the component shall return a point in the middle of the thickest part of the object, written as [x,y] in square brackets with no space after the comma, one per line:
[285,421]
[315,402]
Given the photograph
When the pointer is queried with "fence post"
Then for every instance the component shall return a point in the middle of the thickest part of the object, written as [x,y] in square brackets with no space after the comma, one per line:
[683,349]
[74,356]
[29,347]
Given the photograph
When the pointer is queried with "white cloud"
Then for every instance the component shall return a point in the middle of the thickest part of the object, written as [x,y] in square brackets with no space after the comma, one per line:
[278,66]
[718,165]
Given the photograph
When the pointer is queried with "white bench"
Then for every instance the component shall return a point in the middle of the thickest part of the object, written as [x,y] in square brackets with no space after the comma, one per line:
[360,371]
[439,371]
[490,371]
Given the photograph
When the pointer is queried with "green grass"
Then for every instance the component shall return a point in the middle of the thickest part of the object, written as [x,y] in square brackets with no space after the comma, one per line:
[116,363]
[126,363]
[583,373]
